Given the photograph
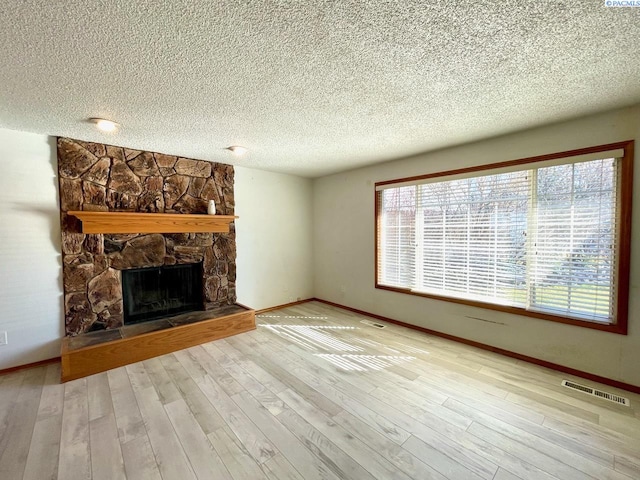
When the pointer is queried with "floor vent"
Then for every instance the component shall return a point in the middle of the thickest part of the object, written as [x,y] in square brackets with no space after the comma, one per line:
[372,324]
[612,397]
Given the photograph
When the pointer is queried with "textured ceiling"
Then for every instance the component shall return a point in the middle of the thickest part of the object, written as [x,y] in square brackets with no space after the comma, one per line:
[310,87]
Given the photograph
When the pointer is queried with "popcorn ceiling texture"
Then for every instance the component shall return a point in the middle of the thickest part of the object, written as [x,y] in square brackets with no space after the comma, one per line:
[101,177]
[311,87]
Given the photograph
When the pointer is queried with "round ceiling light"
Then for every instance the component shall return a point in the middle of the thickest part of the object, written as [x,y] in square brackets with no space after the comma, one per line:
[237,150]
[104,125]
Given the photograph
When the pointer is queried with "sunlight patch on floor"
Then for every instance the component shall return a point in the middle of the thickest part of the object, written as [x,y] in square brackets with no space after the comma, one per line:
[362,363]
[321,338]
[314,337]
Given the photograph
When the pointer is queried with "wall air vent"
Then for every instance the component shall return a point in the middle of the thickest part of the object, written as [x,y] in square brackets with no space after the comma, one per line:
[372,324]
[612,397]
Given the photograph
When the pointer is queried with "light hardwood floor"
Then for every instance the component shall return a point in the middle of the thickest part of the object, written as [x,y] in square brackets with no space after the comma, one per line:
[314,393]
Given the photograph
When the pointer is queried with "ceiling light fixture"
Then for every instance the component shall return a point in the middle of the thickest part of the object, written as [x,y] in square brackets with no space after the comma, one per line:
[237,150]
[104,125]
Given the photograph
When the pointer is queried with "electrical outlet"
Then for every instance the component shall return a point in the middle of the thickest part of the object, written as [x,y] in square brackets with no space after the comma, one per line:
[3,338]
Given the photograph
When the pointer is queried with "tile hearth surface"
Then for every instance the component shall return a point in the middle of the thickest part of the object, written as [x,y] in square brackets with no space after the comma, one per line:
[128,331]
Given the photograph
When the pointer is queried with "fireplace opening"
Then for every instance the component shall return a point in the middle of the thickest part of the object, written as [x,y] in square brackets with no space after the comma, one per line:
[158,292]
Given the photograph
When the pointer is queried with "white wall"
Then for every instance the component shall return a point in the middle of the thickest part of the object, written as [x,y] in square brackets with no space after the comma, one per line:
[343,235]
[30,271]
[274,241]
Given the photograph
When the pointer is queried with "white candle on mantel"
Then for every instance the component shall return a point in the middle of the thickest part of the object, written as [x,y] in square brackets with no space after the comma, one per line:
[212,207]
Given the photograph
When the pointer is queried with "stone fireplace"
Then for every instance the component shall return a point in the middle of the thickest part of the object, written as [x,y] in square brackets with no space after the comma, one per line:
[100,177]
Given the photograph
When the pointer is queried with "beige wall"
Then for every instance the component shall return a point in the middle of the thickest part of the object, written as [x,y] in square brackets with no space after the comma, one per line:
[344,252]
[275,248]
[30,269]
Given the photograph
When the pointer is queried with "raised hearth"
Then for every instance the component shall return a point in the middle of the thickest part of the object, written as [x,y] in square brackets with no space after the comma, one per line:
[103,350]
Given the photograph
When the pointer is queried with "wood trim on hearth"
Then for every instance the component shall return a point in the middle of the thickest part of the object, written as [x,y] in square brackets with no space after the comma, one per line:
[94,359]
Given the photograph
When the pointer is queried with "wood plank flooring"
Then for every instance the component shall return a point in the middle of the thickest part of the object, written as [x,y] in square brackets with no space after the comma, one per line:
[313,393]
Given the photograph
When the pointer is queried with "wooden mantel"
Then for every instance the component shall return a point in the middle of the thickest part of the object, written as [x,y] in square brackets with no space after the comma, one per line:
[132,222]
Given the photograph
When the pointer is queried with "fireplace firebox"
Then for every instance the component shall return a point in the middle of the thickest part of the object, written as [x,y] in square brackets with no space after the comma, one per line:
[159,292]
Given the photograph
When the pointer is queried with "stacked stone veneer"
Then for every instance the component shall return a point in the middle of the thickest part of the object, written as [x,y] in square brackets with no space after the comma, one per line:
[101,177]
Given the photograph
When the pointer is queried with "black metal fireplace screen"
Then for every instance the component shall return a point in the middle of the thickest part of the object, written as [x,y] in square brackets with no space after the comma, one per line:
[158,292]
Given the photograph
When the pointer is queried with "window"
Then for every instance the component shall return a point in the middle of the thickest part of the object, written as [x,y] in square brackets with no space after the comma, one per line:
[547,237]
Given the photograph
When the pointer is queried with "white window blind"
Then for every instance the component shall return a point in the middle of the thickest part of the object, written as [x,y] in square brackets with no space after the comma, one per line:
[543,239]
[398,236]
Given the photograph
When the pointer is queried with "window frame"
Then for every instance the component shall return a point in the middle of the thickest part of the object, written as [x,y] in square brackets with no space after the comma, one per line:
[624,248]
